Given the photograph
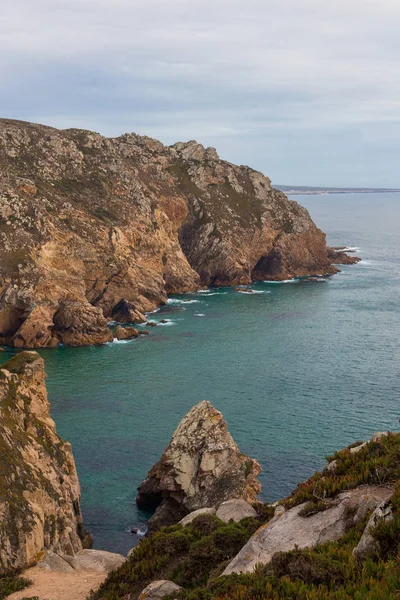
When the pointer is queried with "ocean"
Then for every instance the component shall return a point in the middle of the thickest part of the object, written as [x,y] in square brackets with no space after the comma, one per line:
[298,369]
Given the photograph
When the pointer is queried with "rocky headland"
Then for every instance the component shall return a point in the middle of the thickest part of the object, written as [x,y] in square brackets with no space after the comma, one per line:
[95,229]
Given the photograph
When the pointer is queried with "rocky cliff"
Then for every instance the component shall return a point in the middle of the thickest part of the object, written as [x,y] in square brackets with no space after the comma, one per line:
[91,226]
[201,467]
[39,488]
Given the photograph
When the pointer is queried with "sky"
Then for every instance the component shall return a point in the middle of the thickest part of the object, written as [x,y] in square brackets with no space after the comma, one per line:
[306,91]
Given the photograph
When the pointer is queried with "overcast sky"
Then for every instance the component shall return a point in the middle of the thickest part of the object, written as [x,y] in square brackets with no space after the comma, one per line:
[306,91]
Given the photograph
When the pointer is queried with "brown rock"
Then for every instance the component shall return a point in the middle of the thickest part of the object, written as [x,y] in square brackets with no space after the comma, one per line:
[81,324]
[125,312]
[39,491]
[151,324]
[201,467]
[125,333]
[338,257]
[37,331]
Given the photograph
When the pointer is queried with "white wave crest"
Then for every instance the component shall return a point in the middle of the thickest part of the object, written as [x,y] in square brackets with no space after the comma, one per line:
[178,301]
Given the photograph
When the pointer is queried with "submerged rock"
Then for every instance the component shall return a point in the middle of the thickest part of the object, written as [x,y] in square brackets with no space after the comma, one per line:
[201,467]
[290,529]
[39,487]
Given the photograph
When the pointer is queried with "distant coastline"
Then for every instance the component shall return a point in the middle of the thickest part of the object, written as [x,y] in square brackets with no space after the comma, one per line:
[309,190]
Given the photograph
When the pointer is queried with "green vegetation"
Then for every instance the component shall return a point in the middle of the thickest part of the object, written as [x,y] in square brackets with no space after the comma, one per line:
[187,555]
[12,583]
[17,363]
[377,463]
[195,556]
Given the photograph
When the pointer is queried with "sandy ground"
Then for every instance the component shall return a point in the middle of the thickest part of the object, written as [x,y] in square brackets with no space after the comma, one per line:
[51,585]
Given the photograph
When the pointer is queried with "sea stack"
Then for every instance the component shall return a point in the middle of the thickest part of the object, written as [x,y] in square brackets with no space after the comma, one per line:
[201,467]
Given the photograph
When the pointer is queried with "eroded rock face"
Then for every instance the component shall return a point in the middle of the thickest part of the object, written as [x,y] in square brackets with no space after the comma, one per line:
[201,467]
[39,487]
[120,223]
[290,529]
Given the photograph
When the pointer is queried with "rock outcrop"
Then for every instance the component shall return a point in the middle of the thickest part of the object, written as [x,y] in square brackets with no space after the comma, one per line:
[39,487]
[94,229]
[159,589]
[368,545]
[201,467]
[235,510]
[291,529]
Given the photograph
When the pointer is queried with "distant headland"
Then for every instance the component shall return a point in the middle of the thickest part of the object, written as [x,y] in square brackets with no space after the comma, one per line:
[309,190]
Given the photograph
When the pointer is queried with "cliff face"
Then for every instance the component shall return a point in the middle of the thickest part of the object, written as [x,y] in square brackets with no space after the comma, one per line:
[39,488]
[86,222]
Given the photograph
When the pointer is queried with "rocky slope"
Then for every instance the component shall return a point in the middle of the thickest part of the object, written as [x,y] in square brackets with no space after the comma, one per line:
[336,536]
[93,229]
[39,488]
[201,467]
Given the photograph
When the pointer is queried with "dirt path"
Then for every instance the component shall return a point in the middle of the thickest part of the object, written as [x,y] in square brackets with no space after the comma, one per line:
[51,585]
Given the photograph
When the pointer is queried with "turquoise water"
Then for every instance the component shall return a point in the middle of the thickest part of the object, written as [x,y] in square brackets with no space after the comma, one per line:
[298,370]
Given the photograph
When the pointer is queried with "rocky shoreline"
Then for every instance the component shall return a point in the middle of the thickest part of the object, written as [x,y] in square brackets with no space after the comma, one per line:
[94,229]
[208,527]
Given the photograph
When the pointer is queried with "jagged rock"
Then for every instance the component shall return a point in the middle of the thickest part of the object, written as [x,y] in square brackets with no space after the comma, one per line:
[201,467]
[120,223]
[126,312]
[151,323]
[159,589]
[125,333]
[95,560]
[289,530]
[368,545]
[339,257]
[37,331]
[81,324]
[54,562]
[39,487]
[196,513]
[235,510]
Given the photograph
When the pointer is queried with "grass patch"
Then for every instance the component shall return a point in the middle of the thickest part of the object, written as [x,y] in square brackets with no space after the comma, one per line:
[12,583]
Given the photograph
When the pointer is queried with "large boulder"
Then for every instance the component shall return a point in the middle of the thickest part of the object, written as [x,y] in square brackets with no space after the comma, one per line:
[290,529]
[95,560]
[159,589]
[81,324]
[196,513]
[235,510]
[125,333]
[39,487]
[201,467]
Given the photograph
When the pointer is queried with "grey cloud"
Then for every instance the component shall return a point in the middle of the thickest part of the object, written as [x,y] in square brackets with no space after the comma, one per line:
[306,91]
